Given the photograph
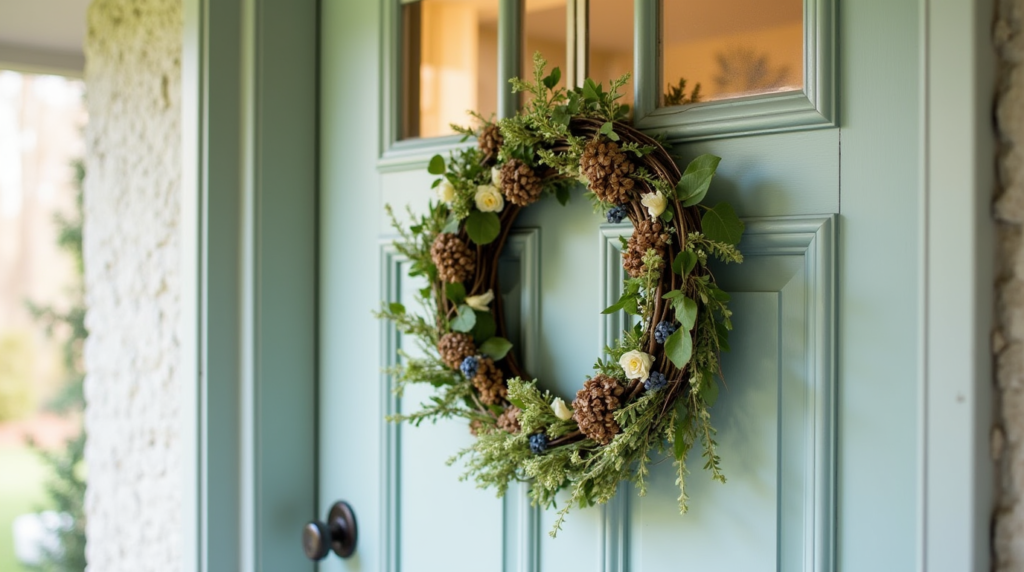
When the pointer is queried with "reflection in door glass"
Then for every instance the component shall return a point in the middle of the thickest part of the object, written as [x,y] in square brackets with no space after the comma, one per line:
[544,31]
[449,64]
[731,48]
[611,43]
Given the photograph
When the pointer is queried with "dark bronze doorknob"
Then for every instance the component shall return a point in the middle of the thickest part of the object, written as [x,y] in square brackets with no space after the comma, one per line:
[337,534]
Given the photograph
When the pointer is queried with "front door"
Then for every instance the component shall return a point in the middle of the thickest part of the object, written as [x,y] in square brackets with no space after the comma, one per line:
[818,425]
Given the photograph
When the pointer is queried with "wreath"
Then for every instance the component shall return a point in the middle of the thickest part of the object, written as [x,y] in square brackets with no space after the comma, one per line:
[654,389]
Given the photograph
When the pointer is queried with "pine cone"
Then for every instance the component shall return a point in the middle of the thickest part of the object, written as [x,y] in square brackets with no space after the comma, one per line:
[490,382]
[454,260]
[455,347]
[475,426]
[519,183]
[490,142]
[509,420]
[608,169]
[595,407]
[648,234]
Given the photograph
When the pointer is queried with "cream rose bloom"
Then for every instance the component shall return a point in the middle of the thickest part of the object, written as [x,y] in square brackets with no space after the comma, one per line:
[488,199]
[481,301]
[561,410]
[636,364]
[445,191]
[655,203]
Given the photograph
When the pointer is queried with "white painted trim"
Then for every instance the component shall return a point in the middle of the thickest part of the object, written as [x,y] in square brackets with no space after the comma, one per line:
[189,269]
[958,166]
[28,59]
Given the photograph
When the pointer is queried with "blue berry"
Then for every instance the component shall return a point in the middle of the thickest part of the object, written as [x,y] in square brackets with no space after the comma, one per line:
[655,381]
[663,330]
[616,214]
[538,443]
[469,366]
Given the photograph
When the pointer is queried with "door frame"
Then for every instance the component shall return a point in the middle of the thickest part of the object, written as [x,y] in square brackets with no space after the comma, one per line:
[249,282]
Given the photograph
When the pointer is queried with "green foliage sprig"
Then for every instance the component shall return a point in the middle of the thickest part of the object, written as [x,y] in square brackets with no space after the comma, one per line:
[663,373]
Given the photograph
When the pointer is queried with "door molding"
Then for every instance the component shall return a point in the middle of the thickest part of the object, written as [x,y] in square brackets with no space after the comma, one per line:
[249,282]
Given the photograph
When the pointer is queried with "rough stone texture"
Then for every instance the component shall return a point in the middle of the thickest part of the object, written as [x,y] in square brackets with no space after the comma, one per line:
[1008,339]
[132,195]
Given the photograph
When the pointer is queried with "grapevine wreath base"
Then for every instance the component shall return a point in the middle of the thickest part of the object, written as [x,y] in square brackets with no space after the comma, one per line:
[654,389]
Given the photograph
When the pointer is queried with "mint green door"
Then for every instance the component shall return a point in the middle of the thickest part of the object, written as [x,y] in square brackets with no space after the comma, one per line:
[819,427]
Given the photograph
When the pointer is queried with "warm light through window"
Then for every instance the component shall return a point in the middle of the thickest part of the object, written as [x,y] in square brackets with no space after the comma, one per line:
[449,64]
[731,48]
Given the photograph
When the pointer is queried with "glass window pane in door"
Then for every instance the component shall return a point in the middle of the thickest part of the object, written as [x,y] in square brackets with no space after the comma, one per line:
[449,64]
[731,48]
[611,44]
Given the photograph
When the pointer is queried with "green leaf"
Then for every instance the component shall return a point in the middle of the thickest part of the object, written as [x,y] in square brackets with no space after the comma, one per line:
[396,308]
[666,215]
[590,92]
[465,320]
[435,183]
[723,336]
[709,391]
[562,194]
[682,419]
[482,227]
[684,263]
[627,302]
[517,402]
[496,347]
[696,179]
[574,103]
[722,225]
[672,294]
[456,292]
[452,226]
[686,312]
[719,294]
[485,327]
[608,129]
[552,80]
[561,115]
[436,166]
[679,348]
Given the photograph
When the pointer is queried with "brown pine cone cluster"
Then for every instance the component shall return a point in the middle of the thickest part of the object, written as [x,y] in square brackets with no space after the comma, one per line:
[455,347]
[608,169]
[647,234]
[595,407]
[490,142]
[509,420]
[489,382]
[519,183]
[454,260]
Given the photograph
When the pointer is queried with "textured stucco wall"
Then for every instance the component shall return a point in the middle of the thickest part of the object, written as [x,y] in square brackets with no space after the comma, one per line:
[1008,441]
[132,195]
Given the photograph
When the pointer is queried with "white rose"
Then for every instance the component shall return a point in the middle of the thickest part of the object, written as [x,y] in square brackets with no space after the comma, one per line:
[561,410]
[481,301]
[636,364]
[496,177]
[488,199]
[445,191]
[655,203]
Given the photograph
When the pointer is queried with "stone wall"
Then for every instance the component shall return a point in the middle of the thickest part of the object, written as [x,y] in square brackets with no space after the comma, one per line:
[1008,438]
[132,196]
